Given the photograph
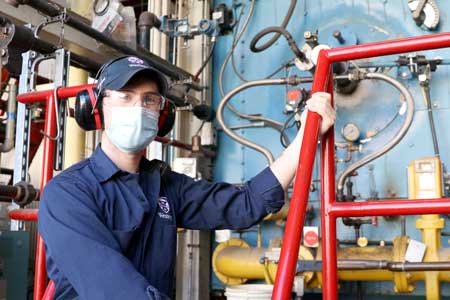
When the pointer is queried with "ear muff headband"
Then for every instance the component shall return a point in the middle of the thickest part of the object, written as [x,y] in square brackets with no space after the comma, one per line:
[95,112]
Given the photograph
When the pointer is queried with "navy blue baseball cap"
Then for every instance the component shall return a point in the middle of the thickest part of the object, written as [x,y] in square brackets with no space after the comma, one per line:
[115,74]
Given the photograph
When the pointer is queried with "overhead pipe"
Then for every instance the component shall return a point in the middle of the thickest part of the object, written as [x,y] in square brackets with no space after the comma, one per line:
[147,20]
[77,22]
[409,100]
[294,226]
[24,40]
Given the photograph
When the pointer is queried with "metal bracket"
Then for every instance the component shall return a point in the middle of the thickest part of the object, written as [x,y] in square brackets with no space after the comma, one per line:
[62,66]
[61,18]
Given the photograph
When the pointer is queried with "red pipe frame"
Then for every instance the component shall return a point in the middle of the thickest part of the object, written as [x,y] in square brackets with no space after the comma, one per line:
[330,209]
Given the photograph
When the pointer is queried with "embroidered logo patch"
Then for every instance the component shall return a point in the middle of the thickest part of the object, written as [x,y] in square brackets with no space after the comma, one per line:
[164,204]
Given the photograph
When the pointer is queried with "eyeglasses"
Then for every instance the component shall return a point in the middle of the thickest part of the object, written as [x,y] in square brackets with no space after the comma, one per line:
[129,98]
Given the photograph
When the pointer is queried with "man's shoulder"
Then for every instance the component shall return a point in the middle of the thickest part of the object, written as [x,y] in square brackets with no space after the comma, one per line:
[77,174]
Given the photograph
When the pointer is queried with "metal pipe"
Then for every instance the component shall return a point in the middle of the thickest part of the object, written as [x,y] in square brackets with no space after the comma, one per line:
[23,39]
[25,214]
[327,171]
[22,193]
[297,210]
[389,207]
[40,278]
[408,98]
[181,145]
[147,21]
[8,143]
[9,191]
[260,124]
[425,87]
[48,295]
[365,264]
[78,23]
[62,93]
[413,44]
[227,97]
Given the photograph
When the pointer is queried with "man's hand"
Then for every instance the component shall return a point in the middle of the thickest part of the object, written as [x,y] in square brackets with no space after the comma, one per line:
[320,103]
[285,166]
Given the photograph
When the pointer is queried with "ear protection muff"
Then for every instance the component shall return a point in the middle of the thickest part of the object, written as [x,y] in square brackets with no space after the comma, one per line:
[88,117]
[166,118]
[89,114]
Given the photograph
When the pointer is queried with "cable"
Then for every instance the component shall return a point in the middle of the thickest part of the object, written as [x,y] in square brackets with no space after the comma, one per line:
[220,109]
[233,46]
[285,126]
[199,128]
[205,63]
[300,107]
[298,53]
[276,36]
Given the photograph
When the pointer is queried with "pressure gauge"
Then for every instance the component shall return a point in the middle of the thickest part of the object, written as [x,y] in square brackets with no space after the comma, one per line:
[100,7]
[425,12]
[350,132]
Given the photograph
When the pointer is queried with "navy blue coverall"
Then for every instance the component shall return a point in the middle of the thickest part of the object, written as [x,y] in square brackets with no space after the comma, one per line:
[111,234]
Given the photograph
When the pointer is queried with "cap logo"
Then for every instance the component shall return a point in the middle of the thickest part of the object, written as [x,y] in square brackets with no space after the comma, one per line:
[135,60]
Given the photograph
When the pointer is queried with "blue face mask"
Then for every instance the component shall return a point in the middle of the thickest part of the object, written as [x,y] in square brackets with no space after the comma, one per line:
[132,128]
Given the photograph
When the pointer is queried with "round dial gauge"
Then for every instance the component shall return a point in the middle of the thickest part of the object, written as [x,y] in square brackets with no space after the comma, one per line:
[350,132]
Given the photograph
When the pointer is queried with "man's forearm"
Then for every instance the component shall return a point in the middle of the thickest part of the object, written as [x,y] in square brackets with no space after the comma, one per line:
[285,166]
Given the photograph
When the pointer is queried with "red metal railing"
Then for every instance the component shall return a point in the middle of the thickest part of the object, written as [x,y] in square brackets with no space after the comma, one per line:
[47,173]
[330,209]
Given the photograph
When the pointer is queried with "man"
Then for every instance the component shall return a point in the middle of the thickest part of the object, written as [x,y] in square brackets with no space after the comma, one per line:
[109,222]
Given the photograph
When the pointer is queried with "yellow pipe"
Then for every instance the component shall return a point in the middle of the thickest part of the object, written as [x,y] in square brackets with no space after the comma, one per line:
[431,226]
[241,262]
[424,181]
[75,136]
[235,262]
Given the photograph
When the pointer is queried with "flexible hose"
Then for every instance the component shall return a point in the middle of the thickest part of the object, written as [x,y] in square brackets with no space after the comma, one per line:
[270,122]
[270,42]
[220,118]
[230,52]
[280,31]
[400,134]
[205,62]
